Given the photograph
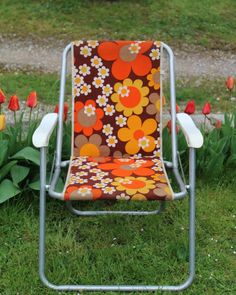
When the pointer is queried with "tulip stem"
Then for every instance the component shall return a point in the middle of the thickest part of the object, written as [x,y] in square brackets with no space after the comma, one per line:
[30,115]
[15,117]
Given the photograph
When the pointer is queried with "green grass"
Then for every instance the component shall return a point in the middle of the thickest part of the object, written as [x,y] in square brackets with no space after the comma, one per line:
[210,23]
[47,87]
[106,250]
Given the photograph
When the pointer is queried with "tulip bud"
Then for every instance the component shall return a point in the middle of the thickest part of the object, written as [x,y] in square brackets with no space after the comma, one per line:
[206,109]
[32,100]
[2,122]
[66,108]
[170,128]
[218,124]
[230,83]
[190,107]
[177,108]
[2,97]
[14,103]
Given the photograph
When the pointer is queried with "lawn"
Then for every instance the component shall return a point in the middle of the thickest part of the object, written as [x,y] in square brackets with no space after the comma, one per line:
[128,250]
[47,87]
[210,23]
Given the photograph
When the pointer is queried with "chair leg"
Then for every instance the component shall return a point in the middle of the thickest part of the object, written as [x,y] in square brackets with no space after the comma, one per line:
[120,288]
[192,185]
[42,217]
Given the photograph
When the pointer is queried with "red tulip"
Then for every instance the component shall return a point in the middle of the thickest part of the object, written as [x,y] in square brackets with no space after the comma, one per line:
[14,103]
[2,97]
[177,108]
[170,128]
[206,109]
[190,107]
[32,100]
[66,108]
[218,124]
[230,83]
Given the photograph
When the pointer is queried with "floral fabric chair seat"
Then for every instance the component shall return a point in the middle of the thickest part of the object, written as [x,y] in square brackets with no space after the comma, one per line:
[116,148]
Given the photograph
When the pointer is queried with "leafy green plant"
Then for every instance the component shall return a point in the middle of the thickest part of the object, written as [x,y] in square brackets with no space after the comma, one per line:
[19,160]
[218,152]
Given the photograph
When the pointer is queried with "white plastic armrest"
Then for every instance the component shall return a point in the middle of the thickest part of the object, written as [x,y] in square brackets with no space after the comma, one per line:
[192,134]
[42,134]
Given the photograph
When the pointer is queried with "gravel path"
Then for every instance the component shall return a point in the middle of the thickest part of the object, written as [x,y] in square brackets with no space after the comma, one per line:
[190,62]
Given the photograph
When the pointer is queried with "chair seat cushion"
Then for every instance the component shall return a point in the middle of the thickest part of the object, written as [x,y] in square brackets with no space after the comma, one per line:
[135,178]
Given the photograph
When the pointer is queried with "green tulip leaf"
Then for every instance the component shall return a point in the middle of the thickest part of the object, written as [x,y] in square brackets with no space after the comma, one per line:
[28,153]
[19,173]
[6,169]
[3,150]
[7,190]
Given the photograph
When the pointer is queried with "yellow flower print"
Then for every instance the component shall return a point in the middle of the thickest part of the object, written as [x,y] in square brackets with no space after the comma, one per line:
[130,97]
[137,135]
[133,185]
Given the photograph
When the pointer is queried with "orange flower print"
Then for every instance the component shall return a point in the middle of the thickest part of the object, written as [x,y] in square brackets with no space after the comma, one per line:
[91,146]
[130,97]
[126,167]
[137,135]
[127,56]
[154,78]
[83,192]
[87,117]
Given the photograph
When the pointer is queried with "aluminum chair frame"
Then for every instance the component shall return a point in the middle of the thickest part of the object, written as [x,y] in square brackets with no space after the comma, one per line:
[41,139]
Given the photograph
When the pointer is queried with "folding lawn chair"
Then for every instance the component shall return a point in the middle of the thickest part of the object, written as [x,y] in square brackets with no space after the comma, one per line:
[117,139]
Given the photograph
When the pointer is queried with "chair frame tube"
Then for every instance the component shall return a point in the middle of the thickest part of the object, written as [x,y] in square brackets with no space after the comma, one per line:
[181,194]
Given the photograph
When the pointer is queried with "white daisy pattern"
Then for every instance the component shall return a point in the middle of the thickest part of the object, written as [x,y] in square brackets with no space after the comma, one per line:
[109,110]
[100,185]
[84,191]
[96,62]
[109,190]
[107,90]
[121,120]
[103,72]
[77,91]
[85,89]
[95,170]
[93,43]
[81,180]
[97,82]
[85,51]
[111,141]
[143,142]
[123,91]
[134,48]
[84,70]
[107,129]
[78,43]
[101,100]
[155,54]
[78,81]
[84,167]
[81,173]
[89,110]
[122,197]
[102,174]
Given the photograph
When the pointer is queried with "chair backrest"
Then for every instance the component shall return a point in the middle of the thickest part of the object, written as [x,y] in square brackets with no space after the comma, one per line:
[117,98]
